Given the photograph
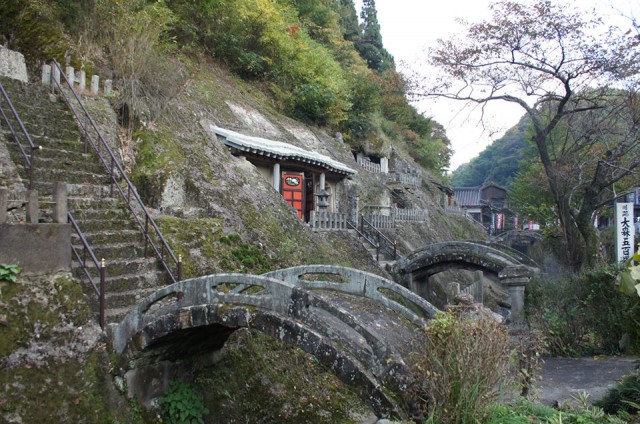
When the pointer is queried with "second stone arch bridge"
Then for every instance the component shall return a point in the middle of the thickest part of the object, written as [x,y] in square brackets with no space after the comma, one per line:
[497,262]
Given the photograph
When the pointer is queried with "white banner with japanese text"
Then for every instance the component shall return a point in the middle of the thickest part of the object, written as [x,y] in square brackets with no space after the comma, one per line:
[625,232]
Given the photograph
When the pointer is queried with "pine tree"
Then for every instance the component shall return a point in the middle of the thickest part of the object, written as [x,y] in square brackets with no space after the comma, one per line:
[370,43]
[349,20]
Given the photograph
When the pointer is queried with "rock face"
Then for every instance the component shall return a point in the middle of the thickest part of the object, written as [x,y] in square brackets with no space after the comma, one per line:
[12,65]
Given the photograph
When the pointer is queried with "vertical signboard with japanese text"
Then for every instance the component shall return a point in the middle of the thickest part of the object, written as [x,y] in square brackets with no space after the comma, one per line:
[625,243]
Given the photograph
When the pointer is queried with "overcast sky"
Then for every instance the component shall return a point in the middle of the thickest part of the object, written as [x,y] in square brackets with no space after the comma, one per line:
[409,27]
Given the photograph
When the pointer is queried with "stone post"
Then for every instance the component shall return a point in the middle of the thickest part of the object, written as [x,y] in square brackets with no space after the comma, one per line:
[56,74]
[384,165]
[46,74]
[454,290]
[95,84]
[60,202]
[108,85]
[4,203]
[82,82]
[33,209]
[276,176]
[323,195]
[70,75]
[479,294]
[515,278]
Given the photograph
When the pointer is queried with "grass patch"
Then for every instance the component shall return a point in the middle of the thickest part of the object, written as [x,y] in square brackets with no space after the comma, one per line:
[524,411]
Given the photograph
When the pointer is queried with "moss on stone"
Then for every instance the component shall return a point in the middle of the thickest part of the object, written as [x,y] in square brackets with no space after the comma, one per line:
[253,383]
[34,309]
[206,249]
[49,372]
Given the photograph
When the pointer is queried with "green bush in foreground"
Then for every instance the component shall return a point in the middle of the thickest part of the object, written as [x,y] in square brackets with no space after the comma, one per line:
[583,314]
[524,411]
[625,396]
[461,369]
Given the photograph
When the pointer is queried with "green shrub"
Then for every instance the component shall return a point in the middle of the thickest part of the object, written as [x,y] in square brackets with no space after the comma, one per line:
[182,405]
[625,396]
[9,272]
[523,411]
[583,314]
[32,28]
[266,40]
[461,369]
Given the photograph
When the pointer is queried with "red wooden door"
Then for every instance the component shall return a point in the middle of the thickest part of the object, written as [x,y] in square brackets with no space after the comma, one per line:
[293,191]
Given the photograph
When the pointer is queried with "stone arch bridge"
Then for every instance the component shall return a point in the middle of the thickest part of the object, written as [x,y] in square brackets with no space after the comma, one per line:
[497,262]
[357,324]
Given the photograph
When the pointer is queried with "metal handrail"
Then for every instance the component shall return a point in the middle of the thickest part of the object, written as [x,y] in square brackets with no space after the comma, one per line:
[360,233]
[391,247]
[82,260]
[117,173]
[30,159]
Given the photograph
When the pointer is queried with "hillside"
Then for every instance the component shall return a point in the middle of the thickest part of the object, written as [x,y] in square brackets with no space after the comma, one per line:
[221,214]
[218,210]
[498,162]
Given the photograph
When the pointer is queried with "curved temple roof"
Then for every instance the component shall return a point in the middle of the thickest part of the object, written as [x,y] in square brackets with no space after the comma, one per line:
[279,150]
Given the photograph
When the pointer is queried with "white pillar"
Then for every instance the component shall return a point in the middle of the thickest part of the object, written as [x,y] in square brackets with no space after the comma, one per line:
[107,87]
[56,74]
[384,165]
[322,181]
[276,176]
[46,74]
[95,84]
[83,80]
[70,75]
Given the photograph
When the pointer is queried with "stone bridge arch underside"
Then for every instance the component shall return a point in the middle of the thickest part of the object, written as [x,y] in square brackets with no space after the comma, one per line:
[498,263]
[318,308]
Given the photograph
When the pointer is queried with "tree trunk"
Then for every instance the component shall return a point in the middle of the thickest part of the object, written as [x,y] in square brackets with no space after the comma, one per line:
[572,234]
[570,230]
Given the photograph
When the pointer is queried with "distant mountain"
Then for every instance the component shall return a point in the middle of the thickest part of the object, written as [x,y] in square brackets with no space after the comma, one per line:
[498,163]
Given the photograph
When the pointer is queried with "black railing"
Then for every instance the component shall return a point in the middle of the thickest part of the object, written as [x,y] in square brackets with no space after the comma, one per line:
[30,157]
[117,175]
[81,257]
[377,239]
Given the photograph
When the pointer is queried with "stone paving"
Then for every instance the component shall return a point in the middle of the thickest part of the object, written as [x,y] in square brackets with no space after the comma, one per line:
[563,379]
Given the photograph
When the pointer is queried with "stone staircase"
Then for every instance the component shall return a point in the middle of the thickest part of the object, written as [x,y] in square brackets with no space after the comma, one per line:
[384,261]
[106,222]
